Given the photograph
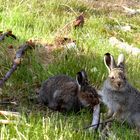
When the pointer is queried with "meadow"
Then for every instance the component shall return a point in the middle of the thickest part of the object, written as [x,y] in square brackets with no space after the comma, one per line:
[44,21]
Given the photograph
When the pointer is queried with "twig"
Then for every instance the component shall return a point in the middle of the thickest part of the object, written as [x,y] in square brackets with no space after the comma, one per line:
[107,121]
[8,74]
[90,126]
[7,102]
[66,26]
[17,59]
[69,8]
[8,33]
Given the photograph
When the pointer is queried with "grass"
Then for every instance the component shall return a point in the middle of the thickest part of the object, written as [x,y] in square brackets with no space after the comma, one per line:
[43,20]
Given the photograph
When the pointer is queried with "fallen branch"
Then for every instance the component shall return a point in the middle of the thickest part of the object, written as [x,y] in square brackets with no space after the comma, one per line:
[9,113]
[17,60]
[7,34]
[7,102]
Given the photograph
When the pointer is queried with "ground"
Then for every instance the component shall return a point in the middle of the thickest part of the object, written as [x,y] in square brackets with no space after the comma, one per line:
[44,22]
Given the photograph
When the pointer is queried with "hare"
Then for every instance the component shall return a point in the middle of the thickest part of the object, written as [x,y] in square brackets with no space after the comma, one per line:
[63,93]
[122,99]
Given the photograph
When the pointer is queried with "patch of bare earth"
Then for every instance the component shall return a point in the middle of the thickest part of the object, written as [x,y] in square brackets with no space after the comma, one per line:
[45,50]
[111,5]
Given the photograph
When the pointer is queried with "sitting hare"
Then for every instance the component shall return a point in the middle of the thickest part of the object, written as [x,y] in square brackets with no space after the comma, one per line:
[122,99]
[63,93]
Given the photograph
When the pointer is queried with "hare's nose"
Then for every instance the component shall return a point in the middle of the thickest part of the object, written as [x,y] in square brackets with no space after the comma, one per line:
[119,84]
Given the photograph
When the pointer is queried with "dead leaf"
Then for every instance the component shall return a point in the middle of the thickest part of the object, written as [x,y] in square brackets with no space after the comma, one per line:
[79,22]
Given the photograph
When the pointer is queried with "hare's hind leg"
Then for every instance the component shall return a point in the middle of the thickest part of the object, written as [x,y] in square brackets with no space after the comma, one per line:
[135,120]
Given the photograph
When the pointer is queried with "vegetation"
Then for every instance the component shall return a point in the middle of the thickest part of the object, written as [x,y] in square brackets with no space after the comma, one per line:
[44,20]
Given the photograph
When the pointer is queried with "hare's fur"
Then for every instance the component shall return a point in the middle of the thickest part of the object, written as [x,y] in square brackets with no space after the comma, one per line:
[63,93]
[122,99]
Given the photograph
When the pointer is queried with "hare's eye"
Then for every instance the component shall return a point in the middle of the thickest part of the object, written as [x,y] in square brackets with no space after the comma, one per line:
[124,78]
[90,95]
[112,77]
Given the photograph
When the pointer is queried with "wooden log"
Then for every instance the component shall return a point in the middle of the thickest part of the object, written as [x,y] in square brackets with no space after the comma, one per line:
[7,34]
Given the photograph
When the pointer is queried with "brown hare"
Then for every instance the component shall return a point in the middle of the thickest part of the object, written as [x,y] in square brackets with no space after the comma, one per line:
[63,93]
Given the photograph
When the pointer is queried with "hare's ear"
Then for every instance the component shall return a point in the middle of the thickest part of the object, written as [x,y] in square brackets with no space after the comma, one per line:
[109,61]
[121,60]
[81,78]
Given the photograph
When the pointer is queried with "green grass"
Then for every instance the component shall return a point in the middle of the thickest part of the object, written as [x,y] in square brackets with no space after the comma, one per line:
[43,20]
